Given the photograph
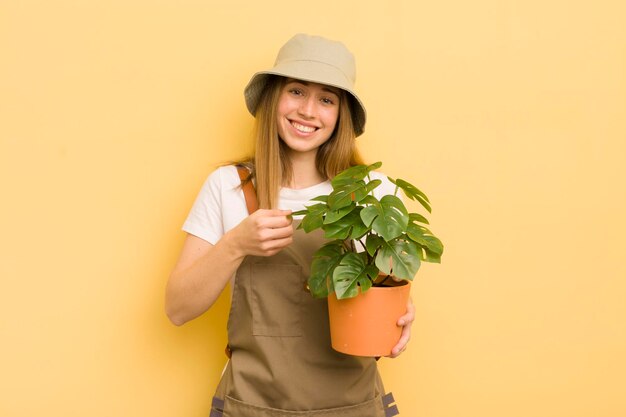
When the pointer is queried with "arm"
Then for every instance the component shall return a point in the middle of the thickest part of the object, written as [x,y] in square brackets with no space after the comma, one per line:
[203,269]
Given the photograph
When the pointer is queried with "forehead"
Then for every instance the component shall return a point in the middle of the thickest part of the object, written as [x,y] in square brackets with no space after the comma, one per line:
[323,87]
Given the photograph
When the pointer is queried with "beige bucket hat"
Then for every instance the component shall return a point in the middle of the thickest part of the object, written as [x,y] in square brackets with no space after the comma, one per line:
[314,59]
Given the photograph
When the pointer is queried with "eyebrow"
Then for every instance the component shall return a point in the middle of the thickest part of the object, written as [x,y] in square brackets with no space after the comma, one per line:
[328,89]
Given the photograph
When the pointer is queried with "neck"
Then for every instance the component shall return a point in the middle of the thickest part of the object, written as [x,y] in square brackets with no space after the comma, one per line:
[305,173]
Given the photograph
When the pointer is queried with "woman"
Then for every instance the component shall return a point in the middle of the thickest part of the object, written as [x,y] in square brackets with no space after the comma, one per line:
[307,118]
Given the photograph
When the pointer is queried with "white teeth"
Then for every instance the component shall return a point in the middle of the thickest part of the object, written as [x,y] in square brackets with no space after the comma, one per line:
[302,128]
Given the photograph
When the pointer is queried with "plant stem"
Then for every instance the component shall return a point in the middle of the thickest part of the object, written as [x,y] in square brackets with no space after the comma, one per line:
[369,258]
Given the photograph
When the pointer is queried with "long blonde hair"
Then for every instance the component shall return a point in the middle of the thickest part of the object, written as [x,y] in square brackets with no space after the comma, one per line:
[270,166]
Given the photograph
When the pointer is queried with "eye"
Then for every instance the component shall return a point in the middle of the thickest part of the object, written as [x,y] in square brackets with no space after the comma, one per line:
[328,100]
[295,91]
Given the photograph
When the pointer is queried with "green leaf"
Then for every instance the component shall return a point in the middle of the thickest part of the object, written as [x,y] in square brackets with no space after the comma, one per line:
[433,245]
[372,243]
[365,281]
[399,257]
[414,217]
[347,194]
[351,271]
[350,225]
[423,237]
[374,166]
[370,187]
[429,256]
[370,213]
[313,218]
[324,262]
[359,229]
[322,198]
[349,176]
[412,192]
[389,218]
[336,231]
[353,174]
[334,215]
[369,199]
[330,249]
[418,228]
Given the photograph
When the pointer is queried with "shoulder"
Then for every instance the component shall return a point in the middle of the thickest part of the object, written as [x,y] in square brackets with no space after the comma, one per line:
[220,187]
[224,176]
[223,179]
[219,206]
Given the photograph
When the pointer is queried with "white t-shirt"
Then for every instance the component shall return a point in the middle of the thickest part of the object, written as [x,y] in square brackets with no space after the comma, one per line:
[220,205]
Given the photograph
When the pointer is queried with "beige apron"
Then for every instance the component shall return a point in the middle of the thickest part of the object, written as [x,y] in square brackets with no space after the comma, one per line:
[282,363]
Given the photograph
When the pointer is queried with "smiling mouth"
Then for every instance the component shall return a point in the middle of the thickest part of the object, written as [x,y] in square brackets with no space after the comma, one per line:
[302,128]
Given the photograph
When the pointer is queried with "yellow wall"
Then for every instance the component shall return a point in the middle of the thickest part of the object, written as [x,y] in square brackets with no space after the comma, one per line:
[509,114]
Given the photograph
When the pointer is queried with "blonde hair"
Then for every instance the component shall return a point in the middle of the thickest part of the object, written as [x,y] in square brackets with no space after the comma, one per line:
[270,166]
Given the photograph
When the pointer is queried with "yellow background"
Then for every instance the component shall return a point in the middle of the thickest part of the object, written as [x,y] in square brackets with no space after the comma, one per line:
[509,114]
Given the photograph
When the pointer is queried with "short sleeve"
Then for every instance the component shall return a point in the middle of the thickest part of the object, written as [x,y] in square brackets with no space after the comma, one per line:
[205,218]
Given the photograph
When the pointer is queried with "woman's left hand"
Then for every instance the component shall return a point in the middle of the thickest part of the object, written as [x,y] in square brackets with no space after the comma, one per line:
[405,322]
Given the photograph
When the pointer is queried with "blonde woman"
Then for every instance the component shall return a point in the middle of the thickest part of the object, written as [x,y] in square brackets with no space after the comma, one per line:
[281,363]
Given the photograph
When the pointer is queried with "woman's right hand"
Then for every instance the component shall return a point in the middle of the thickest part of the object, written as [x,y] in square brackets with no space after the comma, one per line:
[203,269]
[263,233]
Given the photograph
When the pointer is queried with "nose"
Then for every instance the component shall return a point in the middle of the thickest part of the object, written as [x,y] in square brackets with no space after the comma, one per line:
[307,107]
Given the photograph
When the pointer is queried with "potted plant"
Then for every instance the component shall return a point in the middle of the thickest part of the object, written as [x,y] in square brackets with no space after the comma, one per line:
[375,247]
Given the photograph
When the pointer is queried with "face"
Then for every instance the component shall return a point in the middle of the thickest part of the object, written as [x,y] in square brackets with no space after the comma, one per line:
[307,114]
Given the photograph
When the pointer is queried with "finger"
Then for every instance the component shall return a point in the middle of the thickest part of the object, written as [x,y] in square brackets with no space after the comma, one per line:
[276,245]
[408,317]
[278,233]
[277,213]
[272,221]
[402,343]
[265,238]
[395,353]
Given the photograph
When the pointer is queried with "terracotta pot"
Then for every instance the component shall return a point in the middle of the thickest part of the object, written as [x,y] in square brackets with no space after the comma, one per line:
[366,325]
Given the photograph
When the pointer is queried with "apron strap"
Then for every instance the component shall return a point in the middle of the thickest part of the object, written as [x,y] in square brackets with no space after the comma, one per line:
[249,193]
[252,204]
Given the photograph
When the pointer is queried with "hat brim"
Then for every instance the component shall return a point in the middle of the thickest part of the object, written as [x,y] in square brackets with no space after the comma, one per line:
[311,71]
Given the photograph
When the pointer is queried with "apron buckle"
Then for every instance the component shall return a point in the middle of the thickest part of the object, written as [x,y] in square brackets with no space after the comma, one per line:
[217,407]
[390,408]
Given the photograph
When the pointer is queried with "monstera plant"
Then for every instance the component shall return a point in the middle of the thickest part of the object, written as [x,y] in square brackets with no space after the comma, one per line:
[371,240]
